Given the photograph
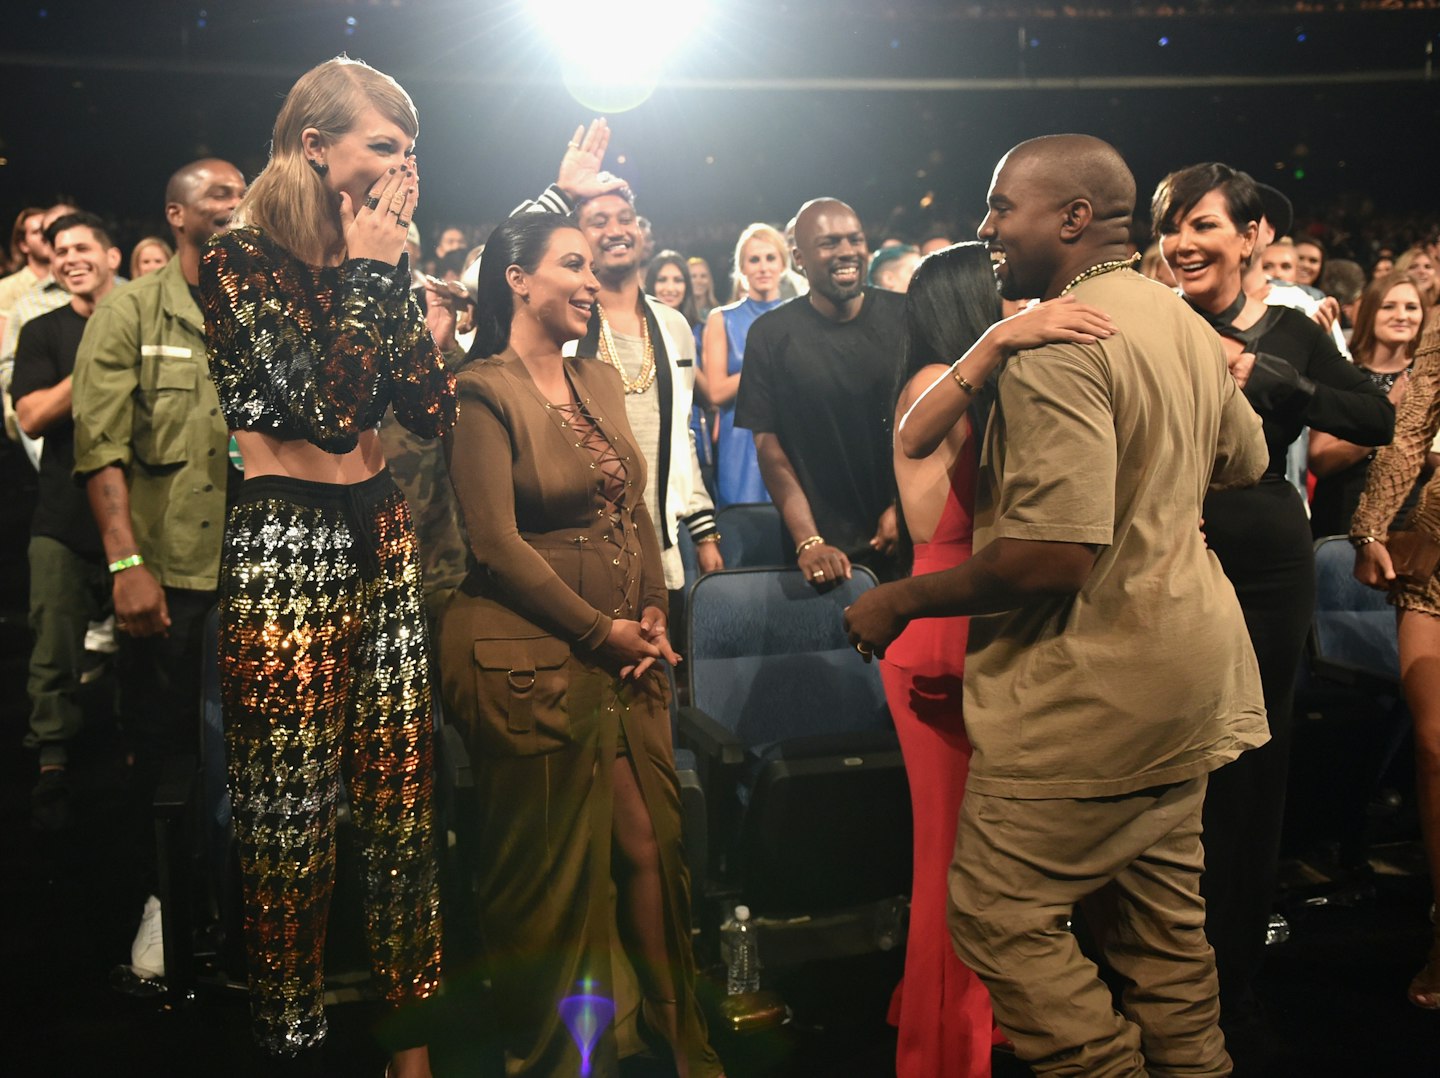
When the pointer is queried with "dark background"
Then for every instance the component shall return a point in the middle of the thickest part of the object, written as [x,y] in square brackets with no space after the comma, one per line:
[770,104]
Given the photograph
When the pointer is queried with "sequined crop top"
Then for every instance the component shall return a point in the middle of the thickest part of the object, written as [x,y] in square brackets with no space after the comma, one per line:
[318,352]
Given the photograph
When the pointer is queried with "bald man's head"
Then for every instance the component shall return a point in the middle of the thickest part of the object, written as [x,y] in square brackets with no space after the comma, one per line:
[1080,167]
[830,249]
[1056,202]
[200,198]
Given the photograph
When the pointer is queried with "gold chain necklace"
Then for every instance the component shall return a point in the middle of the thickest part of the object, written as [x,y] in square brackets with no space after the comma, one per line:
[1102,267]
[646,378]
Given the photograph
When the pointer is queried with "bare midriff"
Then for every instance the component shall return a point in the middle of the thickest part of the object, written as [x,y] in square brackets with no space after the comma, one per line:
[299,459]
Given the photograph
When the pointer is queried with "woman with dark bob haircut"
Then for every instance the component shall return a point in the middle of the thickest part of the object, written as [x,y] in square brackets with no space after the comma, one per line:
[1207,221]
[951,309]
[548,661]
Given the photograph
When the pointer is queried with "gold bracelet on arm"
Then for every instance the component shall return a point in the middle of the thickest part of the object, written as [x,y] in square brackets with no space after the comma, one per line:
[806,544]
[960,380]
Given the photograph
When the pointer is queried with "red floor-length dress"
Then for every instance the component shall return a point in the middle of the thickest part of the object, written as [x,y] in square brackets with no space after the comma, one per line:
[941,1008]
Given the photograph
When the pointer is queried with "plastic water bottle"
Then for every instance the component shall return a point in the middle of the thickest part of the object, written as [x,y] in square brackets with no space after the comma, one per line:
[742,953]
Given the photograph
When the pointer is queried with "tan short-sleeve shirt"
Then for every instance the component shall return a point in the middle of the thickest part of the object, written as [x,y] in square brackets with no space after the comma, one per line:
[1146,676]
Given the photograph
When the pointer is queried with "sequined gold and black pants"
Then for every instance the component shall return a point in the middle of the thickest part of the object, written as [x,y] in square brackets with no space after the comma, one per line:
[324,673]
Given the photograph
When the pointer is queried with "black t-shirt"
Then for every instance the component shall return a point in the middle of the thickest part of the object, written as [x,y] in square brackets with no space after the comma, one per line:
[44,357]
[827,390]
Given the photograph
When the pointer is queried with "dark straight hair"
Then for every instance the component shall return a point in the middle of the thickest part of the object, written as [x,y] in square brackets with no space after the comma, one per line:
[1177,193]
[518,241]
[676,259]
[952,301]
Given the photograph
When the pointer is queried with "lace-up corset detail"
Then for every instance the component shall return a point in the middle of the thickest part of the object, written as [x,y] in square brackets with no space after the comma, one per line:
[607,462]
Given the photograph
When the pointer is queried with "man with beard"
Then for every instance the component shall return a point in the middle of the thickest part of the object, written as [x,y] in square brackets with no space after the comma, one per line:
[151,446]
[817,390]
[1114,672]
[650,344]
[69,588]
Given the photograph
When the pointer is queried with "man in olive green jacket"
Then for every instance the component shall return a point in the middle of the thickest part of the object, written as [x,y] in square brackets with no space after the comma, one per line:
[151,447]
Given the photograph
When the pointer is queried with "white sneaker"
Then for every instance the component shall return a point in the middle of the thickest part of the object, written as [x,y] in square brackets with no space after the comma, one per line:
[147,953]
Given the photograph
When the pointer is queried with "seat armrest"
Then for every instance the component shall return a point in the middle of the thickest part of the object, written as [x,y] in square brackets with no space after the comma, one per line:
[455,759]
[175,790]
[699,731]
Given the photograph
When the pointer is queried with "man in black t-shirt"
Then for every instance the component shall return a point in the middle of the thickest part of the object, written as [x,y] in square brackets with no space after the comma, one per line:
[818,390]
[69,587]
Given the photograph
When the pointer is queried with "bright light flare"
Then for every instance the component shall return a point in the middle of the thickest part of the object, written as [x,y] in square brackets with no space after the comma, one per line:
[612,70]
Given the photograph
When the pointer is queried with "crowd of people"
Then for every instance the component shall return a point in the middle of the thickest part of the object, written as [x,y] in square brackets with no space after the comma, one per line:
[462,475]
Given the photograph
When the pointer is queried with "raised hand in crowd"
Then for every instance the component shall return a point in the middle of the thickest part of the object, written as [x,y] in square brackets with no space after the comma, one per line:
[581,176]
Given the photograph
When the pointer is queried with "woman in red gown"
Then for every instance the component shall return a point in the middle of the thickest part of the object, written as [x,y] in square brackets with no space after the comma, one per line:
[952,309]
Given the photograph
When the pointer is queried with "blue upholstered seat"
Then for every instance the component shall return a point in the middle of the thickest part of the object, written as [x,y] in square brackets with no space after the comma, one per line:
[804,780]
[1353,636]
[752,535]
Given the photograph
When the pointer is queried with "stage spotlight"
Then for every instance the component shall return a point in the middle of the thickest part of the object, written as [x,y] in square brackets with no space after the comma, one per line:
[612,56]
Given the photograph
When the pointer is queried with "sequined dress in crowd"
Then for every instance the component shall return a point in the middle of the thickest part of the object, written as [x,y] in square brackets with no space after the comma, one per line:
[323,641]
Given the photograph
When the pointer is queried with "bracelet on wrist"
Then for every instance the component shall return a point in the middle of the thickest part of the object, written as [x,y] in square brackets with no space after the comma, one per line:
[1357,541]
[960,380]
[806,544]
[126,563]
[713,537]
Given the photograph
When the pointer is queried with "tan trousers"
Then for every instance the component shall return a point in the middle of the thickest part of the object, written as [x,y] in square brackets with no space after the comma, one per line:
[1132,864]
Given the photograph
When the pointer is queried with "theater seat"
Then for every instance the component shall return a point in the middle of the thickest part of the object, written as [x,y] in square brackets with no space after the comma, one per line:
[752,535]
[1352,637]
[1351,722]
[808,804]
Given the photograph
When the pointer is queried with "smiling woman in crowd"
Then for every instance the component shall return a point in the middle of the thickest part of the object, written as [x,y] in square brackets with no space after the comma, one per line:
[1207,221]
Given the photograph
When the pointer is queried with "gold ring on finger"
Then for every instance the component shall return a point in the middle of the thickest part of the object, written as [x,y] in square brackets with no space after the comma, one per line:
[818,574]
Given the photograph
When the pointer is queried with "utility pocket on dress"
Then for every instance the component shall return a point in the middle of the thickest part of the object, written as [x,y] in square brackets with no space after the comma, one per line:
[520,694]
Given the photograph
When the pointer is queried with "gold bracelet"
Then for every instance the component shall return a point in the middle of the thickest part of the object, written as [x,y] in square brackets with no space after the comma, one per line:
[713,537]
[806,544]
[1357,541]
[961,380]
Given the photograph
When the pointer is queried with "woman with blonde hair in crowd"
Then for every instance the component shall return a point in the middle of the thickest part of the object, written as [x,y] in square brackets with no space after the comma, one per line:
[1388,323]
[1417,262]
[703,286]
[313,331]
[149,255]
[761,258]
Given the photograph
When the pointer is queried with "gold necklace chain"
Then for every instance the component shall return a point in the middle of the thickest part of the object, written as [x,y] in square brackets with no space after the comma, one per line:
[1102,267]
[646,378]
